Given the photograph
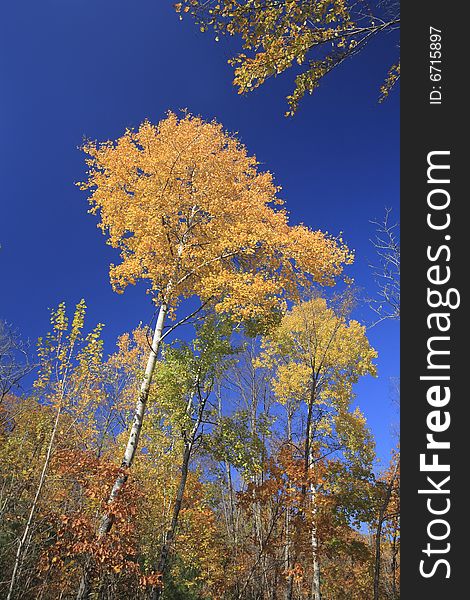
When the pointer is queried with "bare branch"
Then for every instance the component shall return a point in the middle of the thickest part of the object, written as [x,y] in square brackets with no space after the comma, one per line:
[14,360]
[386,303]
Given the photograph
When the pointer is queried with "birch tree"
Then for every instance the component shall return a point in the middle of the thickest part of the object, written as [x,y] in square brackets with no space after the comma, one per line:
[318,354]
[65,355]
[192,215]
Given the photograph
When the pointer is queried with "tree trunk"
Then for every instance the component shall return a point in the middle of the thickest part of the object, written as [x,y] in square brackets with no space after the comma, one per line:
[287,549]
[170,534]
[134,435]
[309,458]
[287,557]
[84,589]
[316,594]
[132,444]
[378,533]
[378,537]
[32,512]
[395,594]
[232,521]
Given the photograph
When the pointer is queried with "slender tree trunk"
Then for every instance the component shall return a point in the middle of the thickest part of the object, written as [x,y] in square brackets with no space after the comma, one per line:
[275,584]
[316,593]
[232,520]
[132,444]
[394,566]
[378,539]
[287,558]
[170,534]
[287,549]
[188,446]
[309,458]
[378,533]
[29,523]
[84,588]
[134,435]
[255,480]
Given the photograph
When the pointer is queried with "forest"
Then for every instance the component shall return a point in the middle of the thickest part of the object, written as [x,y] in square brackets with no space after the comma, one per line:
[252,473]
[218,450]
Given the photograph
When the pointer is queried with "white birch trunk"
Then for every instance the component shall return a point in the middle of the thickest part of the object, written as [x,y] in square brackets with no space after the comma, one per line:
[134,435]
[106,524]
[309,460]
[316,594]
[287,548]
[287,558]
[32,511]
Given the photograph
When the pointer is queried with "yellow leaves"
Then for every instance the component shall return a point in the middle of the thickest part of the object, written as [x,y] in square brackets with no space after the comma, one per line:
[317,253]
[56,350]
[78,320]
[59,319]
[393,76]
[315,345]
[275,36]
[291,382]
[71,373]
[191,212]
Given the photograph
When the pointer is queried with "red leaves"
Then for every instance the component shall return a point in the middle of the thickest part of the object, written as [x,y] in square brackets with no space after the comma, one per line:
[87,480]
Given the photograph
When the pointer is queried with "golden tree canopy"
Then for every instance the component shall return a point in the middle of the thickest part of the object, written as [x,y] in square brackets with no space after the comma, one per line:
[314,340]
[191,212]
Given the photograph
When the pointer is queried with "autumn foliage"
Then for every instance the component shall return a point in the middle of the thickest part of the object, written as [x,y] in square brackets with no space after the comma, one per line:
[248,512]
[318,35]
[248,471]
[191,212]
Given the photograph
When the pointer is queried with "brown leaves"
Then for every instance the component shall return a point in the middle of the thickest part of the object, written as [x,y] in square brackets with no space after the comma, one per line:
[154,579]
[87,480]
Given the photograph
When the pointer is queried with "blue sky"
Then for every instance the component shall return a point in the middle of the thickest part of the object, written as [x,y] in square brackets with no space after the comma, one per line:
[91,68]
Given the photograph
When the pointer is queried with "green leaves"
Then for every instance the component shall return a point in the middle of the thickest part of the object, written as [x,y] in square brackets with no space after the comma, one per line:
[233,441]
[187,372]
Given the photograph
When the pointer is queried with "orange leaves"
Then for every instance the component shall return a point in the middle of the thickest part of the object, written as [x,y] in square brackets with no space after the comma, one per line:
[297,572]
[191,212]
[154,579]
[86,479]
[285,479]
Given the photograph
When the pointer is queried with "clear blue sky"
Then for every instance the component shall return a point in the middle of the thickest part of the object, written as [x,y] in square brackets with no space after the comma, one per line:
[94,67]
